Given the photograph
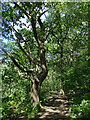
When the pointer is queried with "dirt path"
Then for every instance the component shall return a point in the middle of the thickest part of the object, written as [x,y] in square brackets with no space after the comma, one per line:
[56,108]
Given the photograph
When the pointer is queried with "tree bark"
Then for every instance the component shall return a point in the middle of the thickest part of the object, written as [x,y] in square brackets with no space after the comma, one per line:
[62,79]
[88,34]
[35,91]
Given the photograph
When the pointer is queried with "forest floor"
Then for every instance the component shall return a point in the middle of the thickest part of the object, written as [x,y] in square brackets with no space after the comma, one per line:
[56,108]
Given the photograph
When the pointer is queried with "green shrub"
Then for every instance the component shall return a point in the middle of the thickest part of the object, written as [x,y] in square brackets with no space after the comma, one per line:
[80,111]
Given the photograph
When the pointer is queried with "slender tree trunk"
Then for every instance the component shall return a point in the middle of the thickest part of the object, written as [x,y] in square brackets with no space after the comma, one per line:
[62,79]
[71,58]
[88,34]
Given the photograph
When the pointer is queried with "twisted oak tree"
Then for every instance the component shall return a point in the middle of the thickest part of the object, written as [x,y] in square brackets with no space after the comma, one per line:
[29,58]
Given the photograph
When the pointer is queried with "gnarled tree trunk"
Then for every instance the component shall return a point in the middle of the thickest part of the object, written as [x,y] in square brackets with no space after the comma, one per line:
[32,64]
[35,91]
[38,78]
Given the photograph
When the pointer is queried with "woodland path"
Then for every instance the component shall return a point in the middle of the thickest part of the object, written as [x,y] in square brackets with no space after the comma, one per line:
[56,108]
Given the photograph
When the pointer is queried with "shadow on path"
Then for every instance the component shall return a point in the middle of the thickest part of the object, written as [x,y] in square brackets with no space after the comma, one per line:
[56,108]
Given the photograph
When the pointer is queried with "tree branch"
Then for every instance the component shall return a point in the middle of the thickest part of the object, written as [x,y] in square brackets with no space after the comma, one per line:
[43,12]
[22,74]
[14,61]
[24,11]
[29,58]
[41,24]
[67,29]
[57,39]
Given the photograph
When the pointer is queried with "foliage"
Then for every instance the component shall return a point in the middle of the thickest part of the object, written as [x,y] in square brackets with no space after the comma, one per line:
[81,111]
[53,36]
[77,79]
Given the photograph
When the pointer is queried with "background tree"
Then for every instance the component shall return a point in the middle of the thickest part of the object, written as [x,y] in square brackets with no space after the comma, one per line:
[68,35]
